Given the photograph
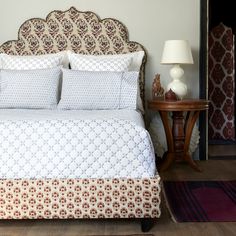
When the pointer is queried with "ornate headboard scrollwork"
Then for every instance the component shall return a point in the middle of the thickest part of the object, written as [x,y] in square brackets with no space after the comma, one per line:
[81,32]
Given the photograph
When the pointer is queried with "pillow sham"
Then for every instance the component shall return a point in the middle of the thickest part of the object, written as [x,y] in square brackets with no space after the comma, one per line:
[131,62]
[98,90]
[97,63]
[15,62]
[115,62]
[29,88]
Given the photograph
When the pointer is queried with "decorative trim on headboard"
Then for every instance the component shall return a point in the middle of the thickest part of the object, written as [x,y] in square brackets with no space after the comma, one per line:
[81,32]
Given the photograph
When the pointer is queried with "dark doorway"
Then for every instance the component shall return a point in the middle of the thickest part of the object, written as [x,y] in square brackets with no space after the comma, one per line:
[203,142]
[214,13]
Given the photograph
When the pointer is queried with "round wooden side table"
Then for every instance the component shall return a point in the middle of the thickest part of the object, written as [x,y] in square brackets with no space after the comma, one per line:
[178,134]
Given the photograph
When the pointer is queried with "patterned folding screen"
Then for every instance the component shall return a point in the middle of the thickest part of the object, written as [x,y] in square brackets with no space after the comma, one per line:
[221,83]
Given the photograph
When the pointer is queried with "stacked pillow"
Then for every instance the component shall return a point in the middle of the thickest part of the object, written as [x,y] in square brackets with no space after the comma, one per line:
[12,62]
[94,81]
[96,90]
[30,88]
[30,81]
[118,62]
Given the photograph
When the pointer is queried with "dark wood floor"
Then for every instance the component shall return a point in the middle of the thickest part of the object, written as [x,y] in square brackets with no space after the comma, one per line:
[212,170]
[219,151]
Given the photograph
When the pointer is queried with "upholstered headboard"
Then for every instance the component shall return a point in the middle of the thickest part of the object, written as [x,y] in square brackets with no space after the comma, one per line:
[81,32]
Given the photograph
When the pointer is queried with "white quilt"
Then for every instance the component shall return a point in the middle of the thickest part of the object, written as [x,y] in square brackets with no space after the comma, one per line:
[74,144]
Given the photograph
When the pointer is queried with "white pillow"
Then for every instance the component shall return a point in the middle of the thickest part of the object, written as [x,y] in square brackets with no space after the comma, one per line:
[29,88]
[98,63]
[81,61]
[94,90]
[14,62]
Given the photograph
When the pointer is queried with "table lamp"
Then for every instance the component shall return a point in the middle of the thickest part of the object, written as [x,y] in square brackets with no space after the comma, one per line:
[177,52]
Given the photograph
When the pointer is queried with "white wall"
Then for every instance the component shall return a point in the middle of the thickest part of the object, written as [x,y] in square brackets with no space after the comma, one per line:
[150,22]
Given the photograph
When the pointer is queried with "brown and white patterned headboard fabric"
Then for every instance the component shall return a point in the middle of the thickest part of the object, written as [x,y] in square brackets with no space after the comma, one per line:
[81,32]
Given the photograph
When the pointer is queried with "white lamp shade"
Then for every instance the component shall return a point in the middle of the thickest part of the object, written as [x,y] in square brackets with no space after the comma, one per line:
[177,52]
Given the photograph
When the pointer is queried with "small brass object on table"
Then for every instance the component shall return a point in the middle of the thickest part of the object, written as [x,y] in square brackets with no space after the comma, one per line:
[170,96]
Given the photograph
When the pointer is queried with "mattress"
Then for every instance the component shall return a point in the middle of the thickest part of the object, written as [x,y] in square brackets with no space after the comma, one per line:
[37,144]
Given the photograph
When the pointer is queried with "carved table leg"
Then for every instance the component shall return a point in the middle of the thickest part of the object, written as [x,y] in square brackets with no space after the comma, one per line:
[169,156]
[189,124]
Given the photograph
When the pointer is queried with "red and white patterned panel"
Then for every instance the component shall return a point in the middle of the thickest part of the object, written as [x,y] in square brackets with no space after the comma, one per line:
[221,83]
[80,198]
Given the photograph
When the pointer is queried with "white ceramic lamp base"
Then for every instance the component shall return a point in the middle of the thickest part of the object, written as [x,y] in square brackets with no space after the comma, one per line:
[177,86]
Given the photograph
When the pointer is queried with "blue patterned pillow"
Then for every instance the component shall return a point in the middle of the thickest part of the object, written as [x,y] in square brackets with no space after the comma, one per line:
[29,88]
[87,90]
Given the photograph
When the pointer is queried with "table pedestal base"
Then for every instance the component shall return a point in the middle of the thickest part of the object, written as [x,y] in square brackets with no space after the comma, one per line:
[179,132]
[178,138]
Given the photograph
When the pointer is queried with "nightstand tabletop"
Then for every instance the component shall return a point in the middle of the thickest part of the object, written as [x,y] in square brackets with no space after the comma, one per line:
[180,105]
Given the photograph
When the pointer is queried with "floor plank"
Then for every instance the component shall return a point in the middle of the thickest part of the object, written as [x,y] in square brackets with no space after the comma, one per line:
[226,151]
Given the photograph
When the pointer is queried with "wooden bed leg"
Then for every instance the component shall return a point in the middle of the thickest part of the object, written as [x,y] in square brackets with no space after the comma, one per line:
[146,224]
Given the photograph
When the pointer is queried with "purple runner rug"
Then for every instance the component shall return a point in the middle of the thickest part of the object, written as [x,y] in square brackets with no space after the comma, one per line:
[201,201]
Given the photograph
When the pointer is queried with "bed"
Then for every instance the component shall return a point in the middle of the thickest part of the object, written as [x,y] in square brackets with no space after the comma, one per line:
[69,147]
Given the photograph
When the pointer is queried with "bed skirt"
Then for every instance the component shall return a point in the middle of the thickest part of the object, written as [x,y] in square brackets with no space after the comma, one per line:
[80,198]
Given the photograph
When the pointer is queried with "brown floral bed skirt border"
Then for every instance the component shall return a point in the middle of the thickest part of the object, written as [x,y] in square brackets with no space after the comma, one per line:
[80,198]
